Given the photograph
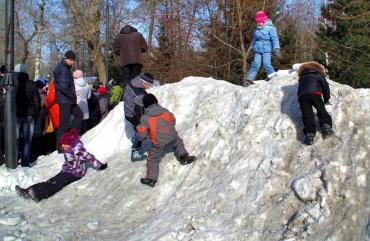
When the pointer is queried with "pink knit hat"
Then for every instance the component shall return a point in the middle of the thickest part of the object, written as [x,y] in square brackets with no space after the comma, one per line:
[78,74]
[260,17]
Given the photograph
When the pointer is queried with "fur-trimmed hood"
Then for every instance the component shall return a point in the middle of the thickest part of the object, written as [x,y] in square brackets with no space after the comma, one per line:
[310,67]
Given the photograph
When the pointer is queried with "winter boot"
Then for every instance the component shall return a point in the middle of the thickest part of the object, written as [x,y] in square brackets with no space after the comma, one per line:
[186,159]
[137,156]
[22,192]
[271,76]
[148,181]
[326,131]
[247,83]
[309,138]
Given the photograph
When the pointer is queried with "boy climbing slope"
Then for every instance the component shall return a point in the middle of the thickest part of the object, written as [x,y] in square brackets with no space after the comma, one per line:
[158,124]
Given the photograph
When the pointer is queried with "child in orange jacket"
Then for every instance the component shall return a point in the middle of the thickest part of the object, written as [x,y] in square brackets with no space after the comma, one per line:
[158,124]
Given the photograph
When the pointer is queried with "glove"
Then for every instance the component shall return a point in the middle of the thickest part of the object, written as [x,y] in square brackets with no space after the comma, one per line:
[277,53]
[103,166]
[328,106]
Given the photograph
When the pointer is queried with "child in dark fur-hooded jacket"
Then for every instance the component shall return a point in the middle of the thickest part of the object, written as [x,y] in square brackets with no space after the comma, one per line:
[314,91]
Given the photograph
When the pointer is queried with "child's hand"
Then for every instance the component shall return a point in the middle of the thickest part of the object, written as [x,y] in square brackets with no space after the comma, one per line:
[103,166]
[277,53]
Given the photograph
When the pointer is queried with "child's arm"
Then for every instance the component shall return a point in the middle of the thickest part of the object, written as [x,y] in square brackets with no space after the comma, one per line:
[325,88]
[274,38]
[142,129]
[88,157]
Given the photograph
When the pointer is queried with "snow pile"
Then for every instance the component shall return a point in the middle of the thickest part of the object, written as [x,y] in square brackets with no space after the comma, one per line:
[253,179]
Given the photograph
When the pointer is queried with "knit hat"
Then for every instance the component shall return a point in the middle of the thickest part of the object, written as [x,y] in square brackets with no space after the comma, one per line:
[147,78]
[102,90]
[149,100]
[78,74]
[70,55]
[260,17]
[20,68]
[69,137]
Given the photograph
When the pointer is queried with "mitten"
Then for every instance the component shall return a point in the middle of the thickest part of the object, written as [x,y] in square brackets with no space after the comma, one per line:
[277,53]
[103,166]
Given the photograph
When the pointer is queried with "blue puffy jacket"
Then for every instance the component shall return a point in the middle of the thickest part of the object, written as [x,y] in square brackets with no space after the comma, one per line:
[265,39]
[65,92]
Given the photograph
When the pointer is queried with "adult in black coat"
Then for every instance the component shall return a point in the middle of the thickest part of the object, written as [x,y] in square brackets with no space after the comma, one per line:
[66,96]
[28,105]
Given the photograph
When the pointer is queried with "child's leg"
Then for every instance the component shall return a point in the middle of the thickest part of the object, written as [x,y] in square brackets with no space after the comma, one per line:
[307,114]
[255,66]
[53,185]
[322,114]
[179,148]
[154,157]
[266,60]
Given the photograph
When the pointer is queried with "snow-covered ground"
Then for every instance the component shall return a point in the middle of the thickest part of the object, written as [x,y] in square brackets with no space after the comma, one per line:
[253,179]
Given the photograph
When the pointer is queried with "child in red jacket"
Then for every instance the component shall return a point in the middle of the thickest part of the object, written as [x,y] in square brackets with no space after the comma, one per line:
[158,124]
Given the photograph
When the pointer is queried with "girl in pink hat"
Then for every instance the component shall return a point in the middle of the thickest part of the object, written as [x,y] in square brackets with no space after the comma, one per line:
[265,43]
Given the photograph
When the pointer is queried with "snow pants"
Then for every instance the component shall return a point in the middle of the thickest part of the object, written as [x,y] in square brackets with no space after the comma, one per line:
[136,144]
[157,152]
[306,103]
[265,58]
[47,189]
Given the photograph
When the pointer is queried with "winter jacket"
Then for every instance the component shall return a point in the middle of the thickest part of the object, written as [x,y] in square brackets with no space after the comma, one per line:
[28,101]
[64,84]
[83,93]
[312,80]
[158,124]
[76,158]
[133,98]
[103,98]
[51,104]
[129,45]
[265,39]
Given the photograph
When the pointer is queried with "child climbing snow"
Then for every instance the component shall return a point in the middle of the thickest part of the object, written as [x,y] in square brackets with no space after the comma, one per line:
[265,42]
[158,124]
[74,168]
[133,108]
[312,88]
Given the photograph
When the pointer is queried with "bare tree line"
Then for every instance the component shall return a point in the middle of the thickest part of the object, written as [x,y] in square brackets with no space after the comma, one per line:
[185,37]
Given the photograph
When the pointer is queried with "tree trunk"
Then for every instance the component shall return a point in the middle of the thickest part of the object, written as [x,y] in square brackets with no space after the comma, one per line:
[153,12]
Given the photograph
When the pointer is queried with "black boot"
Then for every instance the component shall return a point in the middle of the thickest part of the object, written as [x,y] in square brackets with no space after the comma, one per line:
[309,138]
[186,159]
[148,181]
[22,192]
[326,131]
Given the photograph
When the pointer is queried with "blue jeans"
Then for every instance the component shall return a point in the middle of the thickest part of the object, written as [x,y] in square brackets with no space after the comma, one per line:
[265,58]
[25,127]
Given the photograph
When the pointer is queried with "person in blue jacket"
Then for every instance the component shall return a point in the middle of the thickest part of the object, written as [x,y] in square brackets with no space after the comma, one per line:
[265,43]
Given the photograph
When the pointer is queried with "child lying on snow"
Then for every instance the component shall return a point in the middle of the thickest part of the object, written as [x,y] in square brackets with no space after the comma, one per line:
[158,124]
[74,168]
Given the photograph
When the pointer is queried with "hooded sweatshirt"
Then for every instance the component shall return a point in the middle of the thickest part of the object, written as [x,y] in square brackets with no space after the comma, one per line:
[83,93]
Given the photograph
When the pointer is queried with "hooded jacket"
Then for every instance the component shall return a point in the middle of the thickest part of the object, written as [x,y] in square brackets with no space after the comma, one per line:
[158,124]
[133,98]
[82,93]
[312,80]
[265,39]
[28,101]
[51,104]
[64,84]
[76,158]
[129,45]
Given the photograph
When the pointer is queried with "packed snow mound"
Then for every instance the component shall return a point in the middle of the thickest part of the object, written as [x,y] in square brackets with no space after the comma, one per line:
[253,179]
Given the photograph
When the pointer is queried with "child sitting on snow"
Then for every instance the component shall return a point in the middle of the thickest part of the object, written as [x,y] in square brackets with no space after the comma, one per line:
[158,124]
[74,168]
[313,85]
